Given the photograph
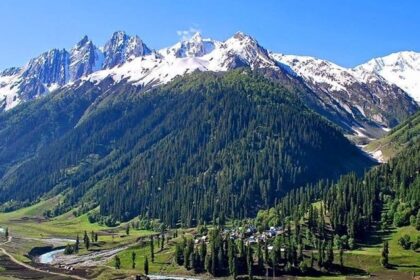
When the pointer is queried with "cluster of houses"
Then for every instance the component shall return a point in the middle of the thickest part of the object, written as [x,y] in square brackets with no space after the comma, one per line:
[249,234]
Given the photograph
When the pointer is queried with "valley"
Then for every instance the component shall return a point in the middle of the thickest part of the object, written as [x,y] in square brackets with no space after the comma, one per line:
[294,156]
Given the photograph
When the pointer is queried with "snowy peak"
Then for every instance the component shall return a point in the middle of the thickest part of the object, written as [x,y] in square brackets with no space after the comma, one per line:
[85,58]
[121,48]
[10,71]
[332,76]
[196,46]
[356,97]
[247,50]
[49,68]
[366,100]
[401,69]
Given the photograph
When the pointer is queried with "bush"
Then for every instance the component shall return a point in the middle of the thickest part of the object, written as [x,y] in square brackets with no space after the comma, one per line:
[69,250]
[405,242]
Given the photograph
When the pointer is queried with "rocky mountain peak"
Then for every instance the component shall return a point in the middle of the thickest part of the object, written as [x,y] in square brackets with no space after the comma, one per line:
[122,47]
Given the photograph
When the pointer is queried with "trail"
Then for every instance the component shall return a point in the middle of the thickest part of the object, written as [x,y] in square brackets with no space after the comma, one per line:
[34,268]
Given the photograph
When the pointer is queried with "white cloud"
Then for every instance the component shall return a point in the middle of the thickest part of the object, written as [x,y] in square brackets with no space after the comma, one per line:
[187,34]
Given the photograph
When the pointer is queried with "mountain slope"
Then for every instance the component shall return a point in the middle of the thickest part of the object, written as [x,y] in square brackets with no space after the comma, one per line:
[203,144]
[401,69]
[405,134]
[362,102]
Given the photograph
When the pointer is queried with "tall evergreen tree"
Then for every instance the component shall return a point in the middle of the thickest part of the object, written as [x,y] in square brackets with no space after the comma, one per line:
[385,255]
[146,266]
[152,249]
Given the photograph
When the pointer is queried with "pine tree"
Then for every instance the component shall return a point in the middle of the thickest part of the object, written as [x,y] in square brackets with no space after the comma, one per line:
[330,254]
[127,229]
[146,266]
[117,262]
[249,262]
[312,259]
[77,245]
[341,257]
[418,220]
[86,240]
[385,255]
[207,263]
[162,242]
[6,233]
[260,258]
[266,257]
[152,249]
[133,260]
[203,252]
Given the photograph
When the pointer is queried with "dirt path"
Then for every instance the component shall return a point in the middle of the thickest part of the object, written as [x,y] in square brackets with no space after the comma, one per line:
[27,266]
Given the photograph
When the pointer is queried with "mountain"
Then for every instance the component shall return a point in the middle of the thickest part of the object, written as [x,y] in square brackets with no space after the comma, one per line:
[122,47]
[203,144]
[57,68]
[362,102]
[400,137]
[401,69]
[85,58]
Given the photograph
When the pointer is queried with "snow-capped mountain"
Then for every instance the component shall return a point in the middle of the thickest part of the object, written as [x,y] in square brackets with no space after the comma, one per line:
[401,69]
[185,57]
[361,101]
[122,47]
[85,58]
[49,68]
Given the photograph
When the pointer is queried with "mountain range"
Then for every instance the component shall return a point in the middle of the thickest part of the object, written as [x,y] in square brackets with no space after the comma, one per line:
[365,101]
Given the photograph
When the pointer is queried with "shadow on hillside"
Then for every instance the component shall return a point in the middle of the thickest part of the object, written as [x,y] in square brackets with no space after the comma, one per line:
[377,237]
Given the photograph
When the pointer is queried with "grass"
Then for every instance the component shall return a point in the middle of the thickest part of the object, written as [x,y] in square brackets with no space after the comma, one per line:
[29,223]
[401,136]
[164,259]
[367,257]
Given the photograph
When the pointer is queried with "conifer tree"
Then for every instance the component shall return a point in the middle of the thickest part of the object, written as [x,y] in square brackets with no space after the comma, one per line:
[117,262]
[249,262]
[146,266]
[77,244]
[152,249]
[133,260]
[341,257]
[385,255]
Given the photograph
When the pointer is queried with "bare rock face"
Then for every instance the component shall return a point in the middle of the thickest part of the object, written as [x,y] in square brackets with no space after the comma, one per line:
[85,59]
[121,47]
[49,68]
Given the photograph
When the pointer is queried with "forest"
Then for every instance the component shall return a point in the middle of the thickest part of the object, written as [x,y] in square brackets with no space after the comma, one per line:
[204,145]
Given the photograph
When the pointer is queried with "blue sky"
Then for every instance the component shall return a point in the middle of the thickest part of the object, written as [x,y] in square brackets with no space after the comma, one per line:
[347,32]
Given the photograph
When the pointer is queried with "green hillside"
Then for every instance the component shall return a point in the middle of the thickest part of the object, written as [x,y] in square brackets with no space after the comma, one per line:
[401,136]
[203,146]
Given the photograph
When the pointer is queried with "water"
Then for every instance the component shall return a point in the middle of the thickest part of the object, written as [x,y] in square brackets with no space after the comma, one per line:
[48,258]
